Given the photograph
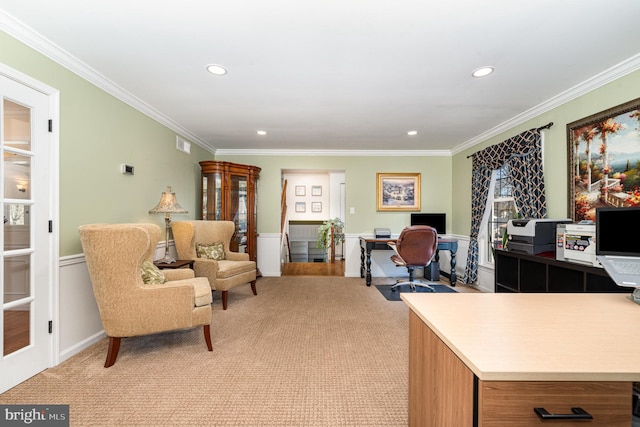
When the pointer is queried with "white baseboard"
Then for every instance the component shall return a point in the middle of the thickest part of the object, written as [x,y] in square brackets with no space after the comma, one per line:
[84,344]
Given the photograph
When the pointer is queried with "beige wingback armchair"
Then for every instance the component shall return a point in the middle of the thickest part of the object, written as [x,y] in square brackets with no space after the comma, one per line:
[128,307]
[235,269]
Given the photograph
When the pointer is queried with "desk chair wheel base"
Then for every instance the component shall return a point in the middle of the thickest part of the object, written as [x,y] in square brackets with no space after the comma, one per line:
[412,286]
[411,282]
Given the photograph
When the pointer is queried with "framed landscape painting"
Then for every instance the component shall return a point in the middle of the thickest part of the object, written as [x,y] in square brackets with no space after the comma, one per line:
[604,161]
[398,192]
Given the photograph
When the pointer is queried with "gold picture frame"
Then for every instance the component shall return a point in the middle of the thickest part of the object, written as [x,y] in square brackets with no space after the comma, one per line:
[398,192]
[604,153]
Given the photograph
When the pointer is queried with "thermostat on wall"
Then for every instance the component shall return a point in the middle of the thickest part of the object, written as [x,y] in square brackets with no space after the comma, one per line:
[126,169]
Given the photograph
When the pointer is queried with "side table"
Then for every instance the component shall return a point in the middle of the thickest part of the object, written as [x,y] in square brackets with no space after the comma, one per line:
[181,263]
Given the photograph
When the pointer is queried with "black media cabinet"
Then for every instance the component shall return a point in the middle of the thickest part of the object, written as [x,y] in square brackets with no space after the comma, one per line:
[519,272]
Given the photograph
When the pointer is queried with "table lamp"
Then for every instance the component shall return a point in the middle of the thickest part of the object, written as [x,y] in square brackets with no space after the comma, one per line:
[168,205]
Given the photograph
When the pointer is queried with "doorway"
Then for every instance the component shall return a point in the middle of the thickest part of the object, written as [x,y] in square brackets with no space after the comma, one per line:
[310,197]
[27,285]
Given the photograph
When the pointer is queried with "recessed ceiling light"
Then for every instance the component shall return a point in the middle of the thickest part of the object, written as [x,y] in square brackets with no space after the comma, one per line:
[482,72]
[216,69]
[261,132]
[412,132]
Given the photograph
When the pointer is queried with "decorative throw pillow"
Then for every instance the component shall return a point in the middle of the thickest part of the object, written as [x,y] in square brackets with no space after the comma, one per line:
[210,251]
[151,275]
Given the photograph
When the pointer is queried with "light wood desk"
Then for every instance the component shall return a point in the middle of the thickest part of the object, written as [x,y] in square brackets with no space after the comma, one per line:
[490,359]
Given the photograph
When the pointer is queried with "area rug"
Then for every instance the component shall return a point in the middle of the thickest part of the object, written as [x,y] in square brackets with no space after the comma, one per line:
[395,295]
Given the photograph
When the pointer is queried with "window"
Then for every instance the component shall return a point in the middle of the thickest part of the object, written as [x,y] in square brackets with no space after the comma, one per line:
[502,208]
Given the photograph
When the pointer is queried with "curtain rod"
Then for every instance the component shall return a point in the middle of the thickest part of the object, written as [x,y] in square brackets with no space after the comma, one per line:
[547,126]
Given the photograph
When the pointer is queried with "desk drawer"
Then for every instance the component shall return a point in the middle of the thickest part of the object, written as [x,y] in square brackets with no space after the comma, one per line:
[511,403]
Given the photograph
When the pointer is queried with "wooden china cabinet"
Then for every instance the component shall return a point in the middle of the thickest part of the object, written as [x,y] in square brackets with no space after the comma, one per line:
[229,192]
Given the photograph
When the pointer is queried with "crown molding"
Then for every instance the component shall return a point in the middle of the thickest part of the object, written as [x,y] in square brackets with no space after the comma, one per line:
[39,43]
[607,76]
[337,153]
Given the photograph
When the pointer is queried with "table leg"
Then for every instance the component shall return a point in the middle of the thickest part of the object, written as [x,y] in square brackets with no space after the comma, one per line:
[453,268]
[361,262]
[368,277]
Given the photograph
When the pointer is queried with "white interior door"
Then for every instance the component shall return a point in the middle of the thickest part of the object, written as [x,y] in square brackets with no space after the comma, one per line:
[26,285]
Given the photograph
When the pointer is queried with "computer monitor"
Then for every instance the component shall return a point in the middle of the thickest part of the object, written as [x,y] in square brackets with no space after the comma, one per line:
[435,220]
[618,231]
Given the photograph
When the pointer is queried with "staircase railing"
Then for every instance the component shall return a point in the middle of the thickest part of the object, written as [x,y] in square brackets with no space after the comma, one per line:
[284,240]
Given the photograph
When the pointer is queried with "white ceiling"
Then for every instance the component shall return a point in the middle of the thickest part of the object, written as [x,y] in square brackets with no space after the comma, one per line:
[339,74]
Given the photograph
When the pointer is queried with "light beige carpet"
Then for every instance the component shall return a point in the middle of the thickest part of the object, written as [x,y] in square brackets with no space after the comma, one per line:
[306,351]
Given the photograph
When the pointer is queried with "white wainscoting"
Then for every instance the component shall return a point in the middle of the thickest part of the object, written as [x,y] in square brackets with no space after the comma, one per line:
[80,324]
[268,254]
[485,278]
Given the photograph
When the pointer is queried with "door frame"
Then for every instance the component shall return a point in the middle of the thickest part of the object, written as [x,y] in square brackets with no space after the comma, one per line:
[54,198]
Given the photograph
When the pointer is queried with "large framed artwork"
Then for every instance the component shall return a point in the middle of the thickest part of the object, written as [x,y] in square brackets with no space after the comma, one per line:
[398,192]
[604,160]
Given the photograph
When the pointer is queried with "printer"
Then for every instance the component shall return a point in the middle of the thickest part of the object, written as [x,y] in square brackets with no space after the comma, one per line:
[533,236]
[382,233]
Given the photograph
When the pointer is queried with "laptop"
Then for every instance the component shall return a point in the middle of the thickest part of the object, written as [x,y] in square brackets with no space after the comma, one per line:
[618,244]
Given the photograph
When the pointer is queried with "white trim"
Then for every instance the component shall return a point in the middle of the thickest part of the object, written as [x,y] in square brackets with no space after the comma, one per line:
[71,260]
[54,209]
[335,153]
[81,345]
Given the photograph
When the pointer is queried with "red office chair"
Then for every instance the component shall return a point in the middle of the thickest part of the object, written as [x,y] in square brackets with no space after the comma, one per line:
[415,247]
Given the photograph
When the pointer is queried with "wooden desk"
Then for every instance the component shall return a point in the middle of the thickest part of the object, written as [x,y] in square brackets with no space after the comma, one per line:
[493,358]
[367,245]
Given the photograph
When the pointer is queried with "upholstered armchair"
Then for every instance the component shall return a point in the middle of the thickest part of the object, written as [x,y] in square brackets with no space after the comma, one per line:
[224,269]
[118,256]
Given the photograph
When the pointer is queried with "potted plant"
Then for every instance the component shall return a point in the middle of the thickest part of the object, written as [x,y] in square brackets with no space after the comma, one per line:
[324,234]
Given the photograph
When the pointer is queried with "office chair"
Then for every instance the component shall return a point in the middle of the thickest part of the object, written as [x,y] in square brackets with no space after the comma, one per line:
[415,247]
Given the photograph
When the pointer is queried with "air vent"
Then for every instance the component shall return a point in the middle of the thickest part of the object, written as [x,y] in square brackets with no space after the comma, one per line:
[183,145]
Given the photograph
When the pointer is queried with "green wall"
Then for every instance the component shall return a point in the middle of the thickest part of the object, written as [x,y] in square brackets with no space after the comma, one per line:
[360,176]
[615,93]
[97,134]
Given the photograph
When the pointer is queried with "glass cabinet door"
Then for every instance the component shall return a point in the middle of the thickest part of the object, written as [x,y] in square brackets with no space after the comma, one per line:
[212,196]
[238,212]
[229,194]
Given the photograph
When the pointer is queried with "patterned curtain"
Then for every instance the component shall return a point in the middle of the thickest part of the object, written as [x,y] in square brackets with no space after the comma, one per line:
[523,154]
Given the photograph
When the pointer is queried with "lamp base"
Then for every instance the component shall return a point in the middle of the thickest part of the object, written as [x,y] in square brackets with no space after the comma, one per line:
[165,260]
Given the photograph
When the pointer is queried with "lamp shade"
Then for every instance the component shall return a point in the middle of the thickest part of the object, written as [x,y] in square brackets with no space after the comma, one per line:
[168,204]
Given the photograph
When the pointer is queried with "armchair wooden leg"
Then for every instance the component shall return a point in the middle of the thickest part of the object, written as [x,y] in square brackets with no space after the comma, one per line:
[112,352]
[225,298]
[253,287]
[207,336]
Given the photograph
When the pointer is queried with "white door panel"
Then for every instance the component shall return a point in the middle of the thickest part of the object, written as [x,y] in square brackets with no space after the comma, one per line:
[26,254]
